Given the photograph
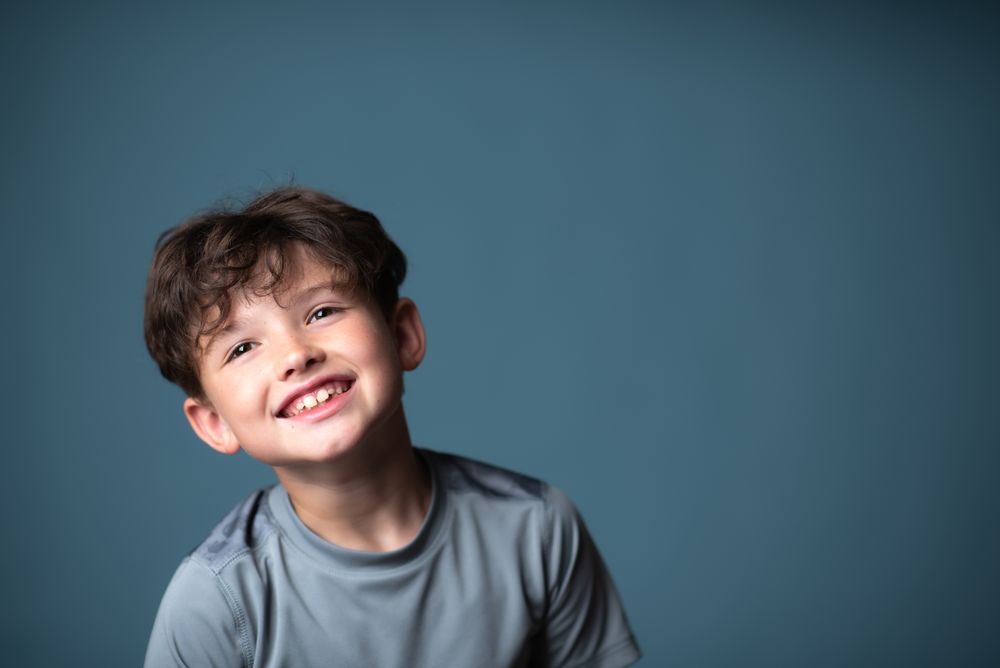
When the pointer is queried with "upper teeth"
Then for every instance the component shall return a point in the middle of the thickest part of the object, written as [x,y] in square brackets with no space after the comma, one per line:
[307,401]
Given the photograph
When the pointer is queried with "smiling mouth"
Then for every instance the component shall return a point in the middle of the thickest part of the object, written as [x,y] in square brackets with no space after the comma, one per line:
[307,402]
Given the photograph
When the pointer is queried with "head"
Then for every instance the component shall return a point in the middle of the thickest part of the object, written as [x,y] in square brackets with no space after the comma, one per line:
[203,265]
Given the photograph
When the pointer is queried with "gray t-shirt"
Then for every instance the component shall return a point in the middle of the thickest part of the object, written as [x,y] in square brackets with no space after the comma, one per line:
[502,573]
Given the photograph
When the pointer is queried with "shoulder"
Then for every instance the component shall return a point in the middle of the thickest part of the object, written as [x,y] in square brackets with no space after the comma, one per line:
[536,520]
[198,622]
[484,488]
[202,618]
[535,529]
[464,475]
[244,529]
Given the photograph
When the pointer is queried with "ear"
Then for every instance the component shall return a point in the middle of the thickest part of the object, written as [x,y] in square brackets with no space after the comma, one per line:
[210,427]
[408,330]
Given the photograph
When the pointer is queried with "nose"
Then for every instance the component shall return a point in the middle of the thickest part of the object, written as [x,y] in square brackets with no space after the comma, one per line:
[299,355]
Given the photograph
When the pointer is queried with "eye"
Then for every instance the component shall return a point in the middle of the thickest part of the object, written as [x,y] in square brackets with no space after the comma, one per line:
[323,312]
[240,349]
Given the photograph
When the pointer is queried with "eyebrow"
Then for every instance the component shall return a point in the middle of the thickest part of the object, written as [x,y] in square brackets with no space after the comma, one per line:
[318,287]
[231,327]
[307,293]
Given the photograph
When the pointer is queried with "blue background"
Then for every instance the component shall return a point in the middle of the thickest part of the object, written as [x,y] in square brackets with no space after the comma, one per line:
[726,274]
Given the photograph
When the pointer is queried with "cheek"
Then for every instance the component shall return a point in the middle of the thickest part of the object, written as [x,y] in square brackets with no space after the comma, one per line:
[246,393]
[382,362]
[378,349]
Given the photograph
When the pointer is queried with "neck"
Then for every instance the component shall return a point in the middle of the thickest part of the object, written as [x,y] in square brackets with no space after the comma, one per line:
[374,498]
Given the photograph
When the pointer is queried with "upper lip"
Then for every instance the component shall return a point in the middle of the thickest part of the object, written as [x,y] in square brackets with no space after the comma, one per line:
[309,388]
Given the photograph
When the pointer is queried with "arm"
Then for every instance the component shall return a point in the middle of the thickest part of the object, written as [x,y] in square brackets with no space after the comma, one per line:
[197,623]
[585,623]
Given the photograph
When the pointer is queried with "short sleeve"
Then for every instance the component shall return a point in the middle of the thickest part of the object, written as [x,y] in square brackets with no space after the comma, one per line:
[585,624]
[195,625]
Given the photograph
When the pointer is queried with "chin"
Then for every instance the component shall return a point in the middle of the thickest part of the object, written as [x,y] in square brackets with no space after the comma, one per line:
[330,451]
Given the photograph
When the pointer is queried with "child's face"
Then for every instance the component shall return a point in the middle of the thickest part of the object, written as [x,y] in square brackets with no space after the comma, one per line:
[307,379]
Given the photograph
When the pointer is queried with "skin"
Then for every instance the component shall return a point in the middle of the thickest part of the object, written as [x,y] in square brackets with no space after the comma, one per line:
[349,467]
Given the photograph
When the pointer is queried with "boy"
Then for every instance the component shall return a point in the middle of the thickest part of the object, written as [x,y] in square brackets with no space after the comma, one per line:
[282,323]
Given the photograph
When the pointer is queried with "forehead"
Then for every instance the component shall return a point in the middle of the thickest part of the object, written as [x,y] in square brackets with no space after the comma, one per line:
[296,269]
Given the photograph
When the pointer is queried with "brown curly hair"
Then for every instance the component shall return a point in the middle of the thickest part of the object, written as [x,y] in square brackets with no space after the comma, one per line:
[201,264]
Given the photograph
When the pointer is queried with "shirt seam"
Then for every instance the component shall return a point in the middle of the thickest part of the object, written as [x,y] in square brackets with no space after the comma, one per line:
[547,521]
[239,617]
[235,609]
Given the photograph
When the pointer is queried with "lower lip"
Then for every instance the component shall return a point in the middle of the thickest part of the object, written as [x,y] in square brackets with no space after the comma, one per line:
[325,409]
